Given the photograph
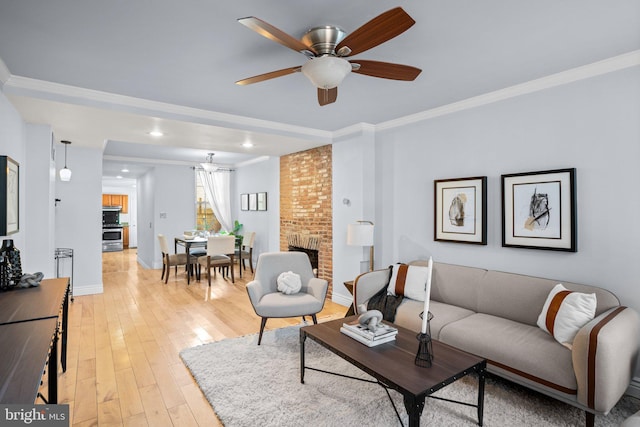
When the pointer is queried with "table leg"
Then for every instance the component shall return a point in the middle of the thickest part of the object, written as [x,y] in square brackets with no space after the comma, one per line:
[481,378]
[53,371]
[414,406]
[187,247]
[303,337]
[65,321]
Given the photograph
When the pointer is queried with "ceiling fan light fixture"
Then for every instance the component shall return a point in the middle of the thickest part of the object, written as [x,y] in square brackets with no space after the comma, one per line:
[326,72]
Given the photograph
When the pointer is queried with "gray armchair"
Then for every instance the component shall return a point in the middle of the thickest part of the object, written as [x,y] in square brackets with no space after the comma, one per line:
[268,302]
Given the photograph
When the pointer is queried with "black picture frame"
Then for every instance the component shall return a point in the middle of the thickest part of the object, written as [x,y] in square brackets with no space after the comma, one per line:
[10,201]
[539,210]
[261,202]
[460,210]
[244,202]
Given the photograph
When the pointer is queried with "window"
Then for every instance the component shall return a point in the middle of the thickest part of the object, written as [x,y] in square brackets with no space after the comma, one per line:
[205,218]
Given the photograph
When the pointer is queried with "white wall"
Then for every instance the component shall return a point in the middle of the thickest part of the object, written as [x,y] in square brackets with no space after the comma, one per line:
[40,178]
[353,200]
[79,216]
[146,219]
[259,177]
[12,144]
[166,205]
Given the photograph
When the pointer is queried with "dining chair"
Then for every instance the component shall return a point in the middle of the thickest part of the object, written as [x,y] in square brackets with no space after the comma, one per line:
[171,260]
[246,250]
[220,253]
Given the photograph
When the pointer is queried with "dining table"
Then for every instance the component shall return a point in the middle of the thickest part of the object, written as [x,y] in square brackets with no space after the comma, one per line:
[198,242]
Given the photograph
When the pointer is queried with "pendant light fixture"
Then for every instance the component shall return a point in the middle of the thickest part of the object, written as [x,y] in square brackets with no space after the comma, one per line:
[209,166]
[65,173]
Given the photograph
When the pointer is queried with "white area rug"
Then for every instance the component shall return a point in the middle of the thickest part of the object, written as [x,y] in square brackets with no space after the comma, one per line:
[251,385]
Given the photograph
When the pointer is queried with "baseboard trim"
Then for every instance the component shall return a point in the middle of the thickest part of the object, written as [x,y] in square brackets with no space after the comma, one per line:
[634,388]
[342,299]
[88,290]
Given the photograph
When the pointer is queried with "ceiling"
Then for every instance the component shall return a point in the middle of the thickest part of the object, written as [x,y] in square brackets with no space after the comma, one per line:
[105,73]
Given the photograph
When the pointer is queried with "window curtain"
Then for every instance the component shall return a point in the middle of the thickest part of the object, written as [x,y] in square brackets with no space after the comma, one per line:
[217,189]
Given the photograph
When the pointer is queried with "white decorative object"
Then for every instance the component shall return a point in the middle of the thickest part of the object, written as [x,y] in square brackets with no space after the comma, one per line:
[289,282]
[427,297]
[370,319]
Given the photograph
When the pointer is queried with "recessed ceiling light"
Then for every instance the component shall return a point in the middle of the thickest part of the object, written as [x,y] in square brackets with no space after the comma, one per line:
[156,133]
[247,144]
[119,176]
[125,170]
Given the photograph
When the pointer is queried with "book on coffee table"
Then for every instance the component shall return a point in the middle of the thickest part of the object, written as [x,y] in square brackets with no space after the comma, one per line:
[367,341]
[382,331]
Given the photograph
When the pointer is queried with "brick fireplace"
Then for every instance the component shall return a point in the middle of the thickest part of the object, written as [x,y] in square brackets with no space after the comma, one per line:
[305,206]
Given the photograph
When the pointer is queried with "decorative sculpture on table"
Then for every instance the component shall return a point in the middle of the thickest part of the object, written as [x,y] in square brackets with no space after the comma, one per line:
[369,319]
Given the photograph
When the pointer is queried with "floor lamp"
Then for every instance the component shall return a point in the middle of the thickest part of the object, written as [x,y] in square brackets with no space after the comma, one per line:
[361,234]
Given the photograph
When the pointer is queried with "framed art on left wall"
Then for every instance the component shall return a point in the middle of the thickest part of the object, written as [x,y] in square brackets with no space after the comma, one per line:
[461,210]
[9,202]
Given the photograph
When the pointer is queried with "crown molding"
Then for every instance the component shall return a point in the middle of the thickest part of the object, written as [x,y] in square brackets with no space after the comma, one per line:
[616,63]
[60,92]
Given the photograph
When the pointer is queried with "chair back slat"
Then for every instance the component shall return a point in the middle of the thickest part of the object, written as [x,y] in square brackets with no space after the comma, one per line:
[249,238]
[217,245]
[164,247]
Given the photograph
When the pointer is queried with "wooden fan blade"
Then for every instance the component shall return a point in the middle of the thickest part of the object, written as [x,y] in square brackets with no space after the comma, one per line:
[268,76]
[272,33]
[386,70]
[380,29]
[327,96]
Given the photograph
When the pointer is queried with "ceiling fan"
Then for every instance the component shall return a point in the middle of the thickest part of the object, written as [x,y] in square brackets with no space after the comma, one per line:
[327,47]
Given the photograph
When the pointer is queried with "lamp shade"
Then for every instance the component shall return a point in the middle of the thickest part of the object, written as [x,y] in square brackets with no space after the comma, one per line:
[326,72]
[360,234]
[65,174]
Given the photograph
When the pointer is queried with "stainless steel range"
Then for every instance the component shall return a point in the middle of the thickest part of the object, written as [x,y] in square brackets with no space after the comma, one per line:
[111,230]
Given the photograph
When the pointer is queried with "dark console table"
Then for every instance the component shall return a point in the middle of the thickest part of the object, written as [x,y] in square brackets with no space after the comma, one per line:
[29,326]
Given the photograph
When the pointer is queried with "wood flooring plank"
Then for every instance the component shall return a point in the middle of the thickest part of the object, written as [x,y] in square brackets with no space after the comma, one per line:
[130,400]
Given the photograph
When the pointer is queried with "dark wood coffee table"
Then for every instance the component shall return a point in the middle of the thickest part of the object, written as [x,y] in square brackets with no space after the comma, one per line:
[392,364]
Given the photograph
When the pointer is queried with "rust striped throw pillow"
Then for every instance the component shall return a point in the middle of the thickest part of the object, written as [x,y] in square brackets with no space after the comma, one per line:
[565,312]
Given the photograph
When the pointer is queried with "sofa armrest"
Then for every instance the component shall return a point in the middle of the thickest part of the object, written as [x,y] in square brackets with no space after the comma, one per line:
[318,288]
[604,357]
[367,285]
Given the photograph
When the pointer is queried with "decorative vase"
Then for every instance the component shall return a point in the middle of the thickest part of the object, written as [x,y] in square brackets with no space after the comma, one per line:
[12,264]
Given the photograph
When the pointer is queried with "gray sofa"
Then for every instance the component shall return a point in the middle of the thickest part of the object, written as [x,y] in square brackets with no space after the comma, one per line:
[493,314]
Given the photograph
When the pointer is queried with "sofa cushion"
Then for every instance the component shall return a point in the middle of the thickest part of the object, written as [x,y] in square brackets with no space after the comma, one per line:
[519,297]
[565,312]
[408,280]
[516,345]
[408,315]
[456,285]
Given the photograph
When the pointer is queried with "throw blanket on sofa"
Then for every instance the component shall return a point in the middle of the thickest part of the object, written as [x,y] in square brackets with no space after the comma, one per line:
[386,304]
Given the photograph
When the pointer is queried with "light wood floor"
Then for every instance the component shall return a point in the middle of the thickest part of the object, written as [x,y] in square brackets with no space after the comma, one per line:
[124,367]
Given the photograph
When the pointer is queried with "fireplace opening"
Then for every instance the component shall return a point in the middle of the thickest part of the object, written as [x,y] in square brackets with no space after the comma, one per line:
[313,257]
[307,243]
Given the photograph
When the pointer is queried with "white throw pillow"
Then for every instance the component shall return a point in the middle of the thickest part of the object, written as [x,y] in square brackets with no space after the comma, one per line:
[289,282]
[565,312]
[408,280]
